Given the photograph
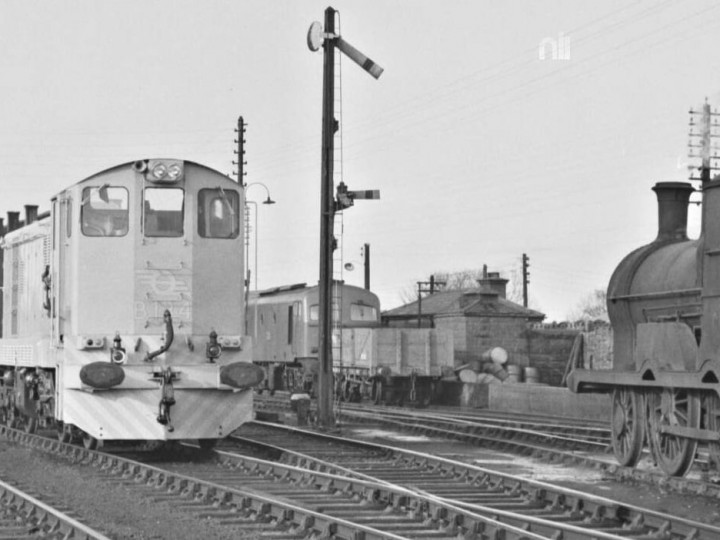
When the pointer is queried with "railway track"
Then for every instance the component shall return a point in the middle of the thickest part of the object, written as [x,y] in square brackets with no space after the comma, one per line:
[24,516]
[360,500]
[558,440]
[475,489]
[294,502]
[494,429]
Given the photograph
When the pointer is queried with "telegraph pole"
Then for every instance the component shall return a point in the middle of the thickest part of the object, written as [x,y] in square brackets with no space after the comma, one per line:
[240,173]
[525,273]
[366,265]
[426,287]
[329,40]
[240,151]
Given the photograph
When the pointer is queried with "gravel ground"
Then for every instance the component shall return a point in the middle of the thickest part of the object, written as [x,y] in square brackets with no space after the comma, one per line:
[110,507]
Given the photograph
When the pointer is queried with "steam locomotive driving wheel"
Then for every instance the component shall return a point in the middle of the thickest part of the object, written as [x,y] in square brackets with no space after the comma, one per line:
[628,426]
[667,408]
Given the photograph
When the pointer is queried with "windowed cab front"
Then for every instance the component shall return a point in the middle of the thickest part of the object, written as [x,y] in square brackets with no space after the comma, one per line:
[147,276]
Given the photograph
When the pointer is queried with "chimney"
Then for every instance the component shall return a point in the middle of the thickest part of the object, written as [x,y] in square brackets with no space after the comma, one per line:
[31,213]
[673,203]
[492,283]
[13,220]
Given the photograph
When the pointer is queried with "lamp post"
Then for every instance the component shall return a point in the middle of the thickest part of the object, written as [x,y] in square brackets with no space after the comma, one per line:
[268,200]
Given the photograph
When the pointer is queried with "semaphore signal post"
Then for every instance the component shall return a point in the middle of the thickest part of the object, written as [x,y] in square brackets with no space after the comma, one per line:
[329,41]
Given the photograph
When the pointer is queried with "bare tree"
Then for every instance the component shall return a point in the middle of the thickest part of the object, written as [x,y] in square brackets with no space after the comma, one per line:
[591,308]
[465,280]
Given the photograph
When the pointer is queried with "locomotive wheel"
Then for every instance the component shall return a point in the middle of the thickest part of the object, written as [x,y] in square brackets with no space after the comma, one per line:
[64,433]
[711,416]
[628,426]
[10,417]
[672,407]
[30,425]
[89,442]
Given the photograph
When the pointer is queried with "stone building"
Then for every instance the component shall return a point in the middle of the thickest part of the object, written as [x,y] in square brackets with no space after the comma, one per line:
[479,319]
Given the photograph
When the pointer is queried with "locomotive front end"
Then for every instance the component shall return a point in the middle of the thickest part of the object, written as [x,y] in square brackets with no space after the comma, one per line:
[148,305]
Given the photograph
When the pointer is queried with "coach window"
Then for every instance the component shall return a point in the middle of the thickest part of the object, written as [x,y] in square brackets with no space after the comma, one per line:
[218,213]
[359,312]
[314,313]
[163,212]
[104,211]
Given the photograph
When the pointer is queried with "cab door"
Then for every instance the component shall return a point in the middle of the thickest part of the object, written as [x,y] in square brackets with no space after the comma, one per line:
[62,230]
[295,329]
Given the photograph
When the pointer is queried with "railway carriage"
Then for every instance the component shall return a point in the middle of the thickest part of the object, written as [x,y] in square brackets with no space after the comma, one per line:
[284,323]
[123,309]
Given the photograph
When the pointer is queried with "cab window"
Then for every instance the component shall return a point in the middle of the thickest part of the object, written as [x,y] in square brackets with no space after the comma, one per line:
[218,213]
[104,211]
[360,312]
[163,212]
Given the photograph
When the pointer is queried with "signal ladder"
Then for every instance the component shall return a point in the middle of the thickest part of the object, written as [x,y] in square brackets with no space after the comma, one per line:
[338,230]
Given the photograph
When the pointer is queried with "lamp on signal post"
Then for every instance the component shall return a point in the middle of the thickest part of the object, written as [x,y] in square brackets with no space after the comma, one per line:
[327,39]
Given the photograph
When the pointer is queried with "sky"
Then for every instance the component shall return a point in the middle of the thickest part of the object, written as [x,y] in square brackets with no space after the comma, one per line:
[481,150]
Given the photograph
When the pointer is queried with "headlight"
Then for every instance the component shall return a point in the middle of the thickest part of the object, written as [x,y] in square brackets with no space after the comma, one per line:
[174,171]
[159,171]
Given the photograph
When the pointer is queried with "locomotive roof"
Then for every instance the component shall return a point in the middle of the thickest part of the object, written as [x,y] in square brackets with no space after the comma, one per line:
[25,233]
[298,290]
[130,164]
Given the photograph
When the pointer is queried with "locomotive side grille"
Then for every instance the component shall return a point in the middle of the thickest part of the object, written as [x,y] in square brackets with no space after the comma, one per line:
[46,250]
[16,354]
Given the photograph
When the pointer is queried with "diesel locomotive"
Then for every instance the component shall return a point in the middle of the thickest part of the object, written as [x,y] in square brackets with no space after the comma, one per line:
[123,309]
[664,305]
[283,322]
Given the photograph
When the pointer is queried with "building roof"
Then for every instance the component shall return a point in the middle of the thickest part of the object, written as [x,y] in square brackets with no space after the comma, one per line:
[466,302]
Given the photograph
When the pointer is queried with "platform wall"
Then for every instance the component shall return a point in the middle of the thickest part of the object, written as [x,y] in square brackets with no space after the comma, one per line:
[547,400]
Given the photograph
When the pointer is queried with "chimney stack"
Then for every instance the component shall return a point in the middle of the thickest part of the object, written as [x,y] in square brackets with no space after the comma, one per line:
[493,283]
[31,213]
[673,199]
[13,219]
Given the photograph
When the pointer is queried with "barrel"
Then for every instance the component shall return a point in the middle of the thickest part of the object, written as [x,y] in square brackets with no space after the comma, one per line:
[496,354]
[532,376]
[468,376]
[496,370]
[514,373]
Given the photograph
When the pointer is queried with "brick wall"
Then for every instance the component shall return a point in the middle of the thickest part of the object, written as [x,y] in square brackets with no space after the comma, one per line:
[598,348]
[475,335]
[549,351]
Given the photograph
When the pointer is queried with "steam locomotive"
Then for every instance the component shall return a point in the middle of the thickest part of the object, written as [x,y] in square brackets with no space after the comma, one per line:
[284,324]
[664,306]
[122,315]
